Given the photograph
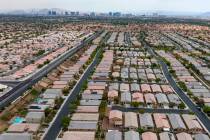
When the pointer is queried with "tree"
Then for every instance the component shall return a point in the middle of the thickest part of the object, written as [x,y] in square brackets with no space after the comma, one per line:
[157,80]
[47,111]
[140,130]
[65,90]
[39,66]
[65,122]
[135,104]
[76,76]
[72,108]
[58,102]
[141,111]
[182,85]
[172,71]
[154,65]
[81,71]
[6,116]
[34,92]
[181,106]
[206,109]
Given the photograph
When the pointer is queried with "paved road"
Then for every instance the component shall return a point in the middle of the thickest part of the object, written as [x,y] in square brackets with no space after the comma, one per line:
[55,127]
[202,116]
[17,91]
[150,110]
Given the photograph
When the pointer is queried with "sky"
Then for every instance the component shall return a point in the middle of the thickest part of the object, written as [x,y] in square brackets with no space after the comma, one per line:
[110,5]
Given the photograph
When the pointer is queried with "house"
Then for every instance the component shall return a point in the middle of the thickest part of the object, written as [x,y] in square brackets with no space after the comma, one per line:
[146,121]
[150,99]
[138,97]
[126,97]
[35,117]
[131,135]
[94,92]
[37,107]
[87,109]
[83,125]
[161,121]
[130,120]
[141,71]
[162,99]
[52,93]
[124,87]
[132,69]
[134,76]
[206,101]
[24,127]
[114,86]
[148,71]
[85,117]
[41,85]
[78,135]
[124,75]
[167,136]
[157,71]
[201,137]
[90,102]
[112,94]
[151,76]
[113,135]
[48,102]
[92,96]
[145,88]
[59,86]
[116,68]
[192,123]
[176,122]
[116,117]
[156,88]
[60,83]
[174,99]
[101,85]
[183,136]
[166,89]
[119,62]
[149,136]
[135,87]
[16,136]
[116,74]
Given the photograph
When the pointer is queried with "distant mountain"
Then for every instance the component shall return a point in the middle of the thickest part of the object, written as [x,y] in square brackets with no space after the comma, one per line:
[207,14]
[16,12]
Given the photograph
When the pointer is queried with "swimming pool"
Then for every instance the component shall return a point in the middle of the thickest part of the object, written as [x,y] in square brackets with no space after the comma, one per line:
[17,120]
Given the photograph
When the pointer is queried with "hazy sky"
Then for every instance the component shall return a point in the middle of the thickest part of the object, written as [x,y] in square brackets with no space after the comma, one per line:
[110,5]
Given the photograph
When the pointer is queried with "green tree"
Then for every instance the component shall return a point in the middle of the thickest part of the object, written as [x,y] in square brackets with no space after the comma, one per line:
[206,109]
[182,106]
[65,122]
[135,104]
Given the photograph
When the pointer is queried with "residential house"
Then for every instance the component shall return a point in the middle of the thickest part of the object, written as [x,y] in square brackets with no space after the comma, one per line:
[130,120]
[146,121]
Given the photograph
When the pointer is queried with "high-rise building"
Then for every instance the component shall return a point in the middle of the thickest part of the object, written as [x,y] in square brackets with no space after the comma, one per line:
[110,13]
[117,14]
[66,13]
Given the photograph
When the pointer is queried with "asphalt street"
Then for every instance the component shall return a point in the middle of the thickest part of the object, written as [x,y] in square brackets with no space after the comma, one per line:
[202,116]
[18,90]
[55,127]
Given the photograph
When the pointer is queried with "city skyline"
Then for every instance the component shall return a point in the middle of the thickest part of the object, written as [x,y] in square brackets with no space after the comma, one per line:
[134,6]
